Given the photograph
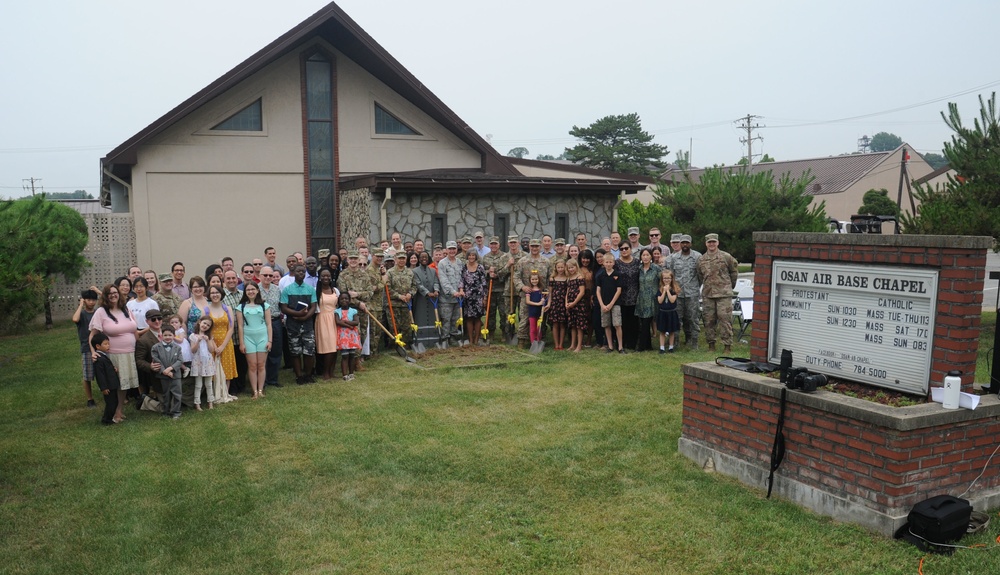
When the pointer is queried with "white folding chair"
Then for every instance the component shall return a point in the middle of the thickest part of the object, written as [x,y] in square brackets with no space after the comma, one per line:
[745,297]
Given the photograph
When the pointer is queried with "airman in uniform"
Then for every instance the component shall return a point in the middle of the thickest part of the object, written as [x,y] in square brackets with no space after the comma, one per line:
[718,272]
[402,287]
[532,263]
[497,266]
[684,263]
[356,281]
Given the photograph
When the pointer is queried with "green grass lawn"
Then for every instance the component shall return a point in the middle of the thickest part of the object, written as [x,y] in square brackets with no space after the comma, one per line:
[567,464]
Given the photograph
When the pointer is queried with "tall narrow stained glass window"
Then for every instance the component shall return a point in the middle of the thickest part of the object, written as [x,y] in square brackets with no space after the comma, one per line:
[320,141]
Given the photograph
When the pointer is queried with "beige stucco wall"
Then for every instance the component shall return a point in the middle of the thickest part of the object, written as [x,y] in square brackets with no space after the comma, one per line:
[247,188]
[843,205]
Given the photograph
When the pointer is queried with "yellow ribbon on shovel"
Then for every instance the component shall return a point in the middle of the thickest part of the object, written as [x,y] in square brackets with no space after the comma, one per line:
[399,340]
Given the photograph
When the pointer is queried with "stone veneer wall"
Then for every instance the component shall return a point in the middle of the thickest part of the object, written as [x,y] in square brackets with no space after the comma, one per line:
[531,214]
[355,216]
[961,261]
[846,458]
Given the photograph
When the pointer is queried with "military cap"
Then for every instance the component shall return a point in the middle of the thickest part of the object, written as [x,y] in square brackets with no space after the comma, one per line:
[711,237]
[400,254]
[675,237]
[494,239]
[685,238]
[451,244]
[560,241]
[378,253]
[512,239]
[353,254]
[165,277]
[324,254]
[466,240]
[479,235]
[633,231]
[534,242]
[438,246]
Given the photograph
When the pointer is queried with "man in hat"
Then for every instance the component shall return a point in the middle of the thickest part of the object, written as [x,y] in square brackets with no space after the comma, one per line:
[516,255]
[148,369]
[481,248]
[463,248]
[633,240]
[560,251]
[718,272]
[402,287]
[450,277]
[168,301]
[675,243]
[377,306]
[497,266]
[532,263]
[356,281]
[684,263]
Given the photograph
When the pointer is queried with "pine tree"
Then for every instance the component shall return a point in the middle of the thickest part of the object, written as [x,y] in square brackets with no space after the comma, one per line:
[619,144]
[969,204]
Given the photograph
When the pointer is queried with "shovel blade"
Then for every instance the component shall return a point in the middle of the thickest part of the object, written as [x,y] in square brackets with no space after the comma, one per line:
[419,348]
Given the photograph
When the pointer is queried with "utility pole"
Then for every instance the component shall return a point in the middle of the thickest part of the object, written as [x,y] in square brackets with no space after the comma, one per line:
[29,184]
[746,123]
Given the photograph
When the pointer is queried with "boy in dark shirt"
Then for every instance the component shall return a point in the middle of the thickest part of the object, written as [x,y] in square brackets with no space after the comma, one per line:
[107,377]
[81,317]
[609,289]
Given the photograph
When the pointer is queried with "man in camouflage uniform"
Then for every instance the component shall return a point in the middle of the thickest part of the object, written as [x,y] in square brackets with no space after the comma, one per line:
[450,276]
[718,273]
[358,282]
[377,271]
[402,287]
[497,266]
[516,255]
[532,263]
[684,263]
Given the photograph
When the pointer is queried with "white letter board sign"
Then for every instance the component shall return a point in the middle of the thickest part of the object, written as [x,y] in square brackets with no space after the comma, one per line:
[855,322]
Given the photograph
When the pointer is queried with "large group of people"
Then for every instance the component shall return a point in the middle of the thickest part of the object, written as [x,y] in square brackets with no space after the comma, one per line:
[227,332]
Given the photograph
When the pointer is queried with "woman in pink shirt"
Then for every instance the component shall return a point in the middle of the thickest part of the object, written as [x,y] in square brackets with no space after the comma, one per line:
[112,319]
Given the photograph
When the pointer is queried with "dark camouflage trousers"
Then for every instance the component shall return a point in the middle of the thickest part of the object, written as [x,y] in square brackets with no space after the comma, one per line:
[718,314]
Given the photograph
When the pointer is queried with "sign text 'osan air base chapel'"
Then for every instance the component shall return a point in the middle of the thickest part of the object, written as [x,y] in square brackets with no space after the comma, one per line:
[863,323]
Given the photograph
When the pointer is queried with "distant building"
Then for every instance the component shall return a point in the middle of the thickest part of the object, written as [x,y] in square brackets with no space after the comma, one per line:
[840,181]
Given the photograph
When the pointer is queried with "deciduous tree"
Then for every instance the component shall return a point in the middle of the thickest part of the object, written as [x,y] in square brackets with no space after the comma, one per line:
[518,152]
[885,142]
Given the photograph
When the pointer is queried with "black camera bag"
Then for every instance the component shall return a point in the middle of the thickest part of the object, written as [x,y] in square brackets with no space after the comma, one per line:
[940,519]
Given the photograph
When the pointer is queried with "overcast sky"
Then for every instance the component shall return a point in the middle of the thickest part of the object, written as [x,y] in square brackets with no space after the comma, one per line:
[79,78]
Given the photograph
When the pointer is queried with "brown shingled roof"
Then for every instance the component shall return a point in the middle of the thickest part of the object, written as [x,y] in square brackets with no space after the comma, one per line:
[832,174]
